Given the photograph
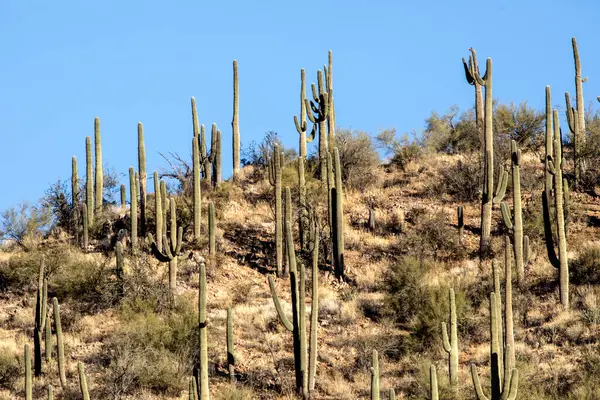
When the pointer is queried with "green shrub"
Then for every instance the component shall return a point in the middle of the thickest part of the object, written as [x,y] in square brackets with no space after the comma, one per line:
[359,159]
[586,267]
[462,180]
[10,369]
[405,282]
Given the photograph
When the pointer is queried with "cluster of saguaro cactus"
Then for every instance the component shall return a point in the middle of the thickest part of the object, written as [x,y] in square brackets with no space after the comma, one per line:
[555,168]
[169,252]
[305,374]
[208,163]
[515,223]
[276,164]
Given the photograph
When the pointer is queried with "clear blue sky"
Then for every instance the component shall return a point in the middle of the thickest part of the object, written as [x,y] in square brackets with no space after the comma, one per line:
[64,63]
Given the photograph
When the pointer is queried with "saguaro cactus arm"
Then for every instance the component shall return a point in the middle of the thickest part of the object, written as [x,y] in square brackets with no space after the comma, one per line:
[284,320]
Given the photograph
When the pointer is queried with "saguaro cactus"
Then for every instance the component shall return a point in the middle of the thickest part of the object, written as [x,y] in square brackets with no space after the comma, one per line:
[211,229]
[142,177]
[275,171]
[99,178]
[548,144]
[48,339]
[521,244]
[83,381]
[203,369]
[133,209]
[89,181]
[511,375]
[40,318]
[171,251]
[123,192]
[337,197]
[331,107]
[472,70]
[75,197]
[215,150]
[158,218]
[433,385]
[231,358]
[120,267]
[197,187]
[320,107]
[460,223]
[85,214]
[60,347]
[561,263]
[451,344]
[314,305]
[235,123]
[375,376]
[28,377]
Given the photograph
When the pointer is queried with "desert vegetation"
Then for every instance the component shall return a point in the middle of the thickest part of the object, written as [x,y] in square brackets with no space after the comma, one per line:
[464,264]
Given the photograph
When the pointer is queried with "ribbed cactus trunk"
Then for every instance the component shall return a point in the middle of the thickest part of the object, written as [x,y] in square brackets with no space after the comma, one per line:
[331,114]
[323,135]
[83,382]
[314,310]
[28,377]
[499,327]
[338,219]
[216,149]
[203,368]
[99,178]
[123,192]
[205,158]
[40,320]
[375,376]
[211,229]
[433,385]
[75,197]
[164,205]
[158,214]
[275,180]
[471,70]
[89,181]
[60,347]
[301,127]
[451,344]
[230,346]
[235,124]
[48,339]
[142,178]
[548,144]
[85,214]
[176,245]
[576,117]
[133,209]
[509,337]
[196,187]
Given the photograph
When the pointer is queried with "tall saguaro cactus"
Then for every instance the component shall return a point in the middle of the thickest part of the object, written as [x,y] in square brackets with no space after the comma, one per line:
[99,179]
[89,181]
[331,107]
[197,187]
[337,199]
[472,70]
[83,382]
[451,344]
[75,196]
[548,144]
[320,107]
[488,153]
[375,376]
[235,123]
[231,358]
[576,116]
[40,317]
[203,388]
[158,219]
[521,243]
[133,209]
[433,385]
[275,171]
[142,178]
[60,347]
[556,169]
[215,150]
[28,377]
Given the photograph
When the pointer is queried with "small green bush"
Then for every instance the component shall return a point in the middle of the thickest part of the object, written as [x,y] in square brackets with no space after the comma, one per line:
[586,267]
[10,369]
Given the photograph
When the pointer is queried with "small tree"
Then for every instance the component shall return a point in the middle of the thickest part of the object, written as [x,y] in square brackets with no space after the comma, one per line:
[24,225]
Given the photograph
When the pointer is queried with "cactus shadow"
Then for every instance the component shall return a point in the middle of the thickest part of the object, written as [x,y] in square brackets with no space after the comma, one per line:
[250,248]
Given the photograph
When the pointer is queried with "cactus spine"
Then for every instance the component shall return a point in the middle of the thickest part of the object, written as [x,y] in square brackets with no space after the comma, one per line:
[433,385]
[375,376]
[203,370]
[196,182]
[133,209]
[460,223]
[83,381]
[522,252]
[488,153]
[99,179]
[142,177]
[320,107]
[337,197]
[28,378]
[451,344]
[60,348]
[472,70]
[40,318]
[275,167]
[211,229]
[235,123]
[89,181]
[230,346]
[560,262]
[511,375]
[171,251]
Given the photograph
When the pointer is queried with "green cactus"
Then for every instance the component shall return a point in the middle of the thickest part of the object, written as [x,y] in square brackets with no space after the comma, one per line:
[158,218]
[231,356]
[119,270]
[40,318]
[460,223]
[215,149]
[337,197]
[576,116]
[548,144]
[85,214]
[522,252]
[392,394]
[98,178]
[133,209]
[330,187]
[50,393]
[472,69]
[142,178]
[304,377]
[48,339]
[488,153]
[171,252]
[205,159]
[235,123]
[123,192]
[83,381]
[28,378]
[320,107]
[165,204]
[556,169]
[509,336]
[498,305]
[203,369]
[508,391]
[60,348]
[192,391]
[89,181]
[451,344]
[275,172]
[331,107]
[375,376]
[314,305]
[197,187]
[75,197]
[433,385]
[211,229]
